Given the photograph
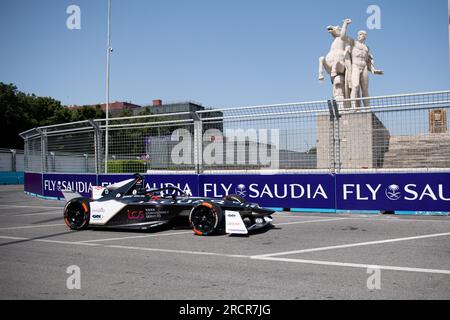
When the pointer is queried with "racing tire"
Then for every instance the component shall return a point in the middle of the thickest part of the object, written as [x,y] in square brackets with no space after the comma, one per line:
[234,197]
[77,214]
[206,219]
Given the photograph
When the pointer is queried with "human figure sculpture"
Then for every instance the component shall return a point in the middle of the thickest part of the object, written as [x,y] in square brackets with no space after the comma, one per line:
[338,61]
[348,63]
[362,64]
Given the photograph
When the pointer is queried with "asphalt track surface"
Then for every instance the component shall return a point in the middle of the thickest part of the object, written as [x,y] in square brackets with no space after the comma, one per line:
[306,256]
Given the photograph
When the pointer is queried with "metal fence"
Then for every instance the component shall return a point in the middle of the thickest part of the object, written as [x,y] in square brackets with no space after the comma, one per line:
[11,160]
[400,133]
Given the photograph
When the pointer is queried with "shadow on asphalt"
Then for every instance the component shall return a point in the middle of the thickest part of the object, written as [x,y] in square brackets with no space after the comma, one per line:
[36,238]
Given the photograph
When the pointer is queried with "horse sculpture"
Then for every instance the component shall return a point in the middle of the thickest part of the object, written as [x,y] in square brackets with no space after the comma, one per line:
[337,62]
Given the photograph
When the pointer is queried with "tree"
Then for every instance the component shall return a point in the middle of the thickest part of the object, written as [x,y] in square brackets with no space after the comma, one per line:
[13,119]
[87,112]
[21,111]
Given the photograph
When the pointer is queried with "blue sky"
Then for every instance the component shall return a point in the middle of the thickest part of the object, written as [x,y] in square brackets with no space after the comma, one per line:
[219,53]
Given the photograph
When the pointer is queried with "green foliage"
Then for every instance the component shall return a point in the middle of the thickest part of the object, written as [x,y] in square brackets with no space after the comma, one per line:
[11,112]
[126,166]
[86,113]
[20,111]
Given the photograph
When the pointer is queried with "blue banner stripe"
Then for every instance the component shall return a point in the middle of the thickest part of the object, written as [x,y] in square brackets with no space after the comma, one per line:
[404,193]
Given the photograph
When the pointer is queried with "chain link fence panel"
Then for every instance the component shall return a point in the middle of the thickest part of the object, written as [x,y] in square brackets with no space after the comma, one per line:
[400,133]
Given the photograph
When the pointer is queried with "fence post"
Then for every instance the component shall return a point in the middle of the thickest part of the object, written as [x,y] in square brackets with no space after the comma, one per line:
[198,143]
[97,147]
[332,138]
[25,154]
[52,166]
[13,160]
[86,162]
[43,134]
[337,135]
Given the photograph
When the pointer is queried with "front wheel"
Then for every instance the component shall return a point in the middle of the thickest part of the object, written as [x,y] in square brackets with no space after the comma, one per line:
[206,218]
[76,214]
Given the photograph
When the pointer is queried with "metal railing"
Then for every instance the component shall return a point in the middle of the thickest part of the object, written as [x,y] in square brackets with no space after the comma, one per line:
[11,160]
[397,133]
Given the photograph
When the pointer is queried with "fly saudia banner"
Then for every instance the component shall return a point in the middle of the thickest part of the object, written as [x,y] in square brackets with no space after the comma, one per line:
[283,190]
[186,182]
[53,183]
[393,191]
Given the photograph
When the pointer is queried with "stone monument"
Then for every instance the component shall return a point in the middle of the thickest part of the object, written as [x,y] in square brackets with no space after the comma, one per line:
[337,63]
[362,136]
[348,63]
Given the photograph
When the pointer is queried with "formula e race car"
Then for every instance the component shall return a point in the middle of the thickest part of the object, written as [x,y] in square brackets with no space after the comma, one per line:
[128,204]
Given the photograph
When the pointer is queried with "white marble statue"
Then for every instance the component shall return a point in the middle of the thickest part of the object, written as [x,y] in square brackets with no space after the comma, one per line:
[338,60]
[348,63]
[362,64]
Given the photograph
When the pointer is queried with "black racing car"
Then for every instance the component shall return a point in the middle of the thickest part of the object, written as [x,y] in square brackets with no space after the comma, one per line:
[128,204]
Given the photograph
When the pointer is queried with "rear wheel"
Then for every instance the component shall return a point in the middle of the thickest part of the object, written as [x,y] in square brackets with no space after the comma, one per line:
[234,197]
[206,219]
[76,214]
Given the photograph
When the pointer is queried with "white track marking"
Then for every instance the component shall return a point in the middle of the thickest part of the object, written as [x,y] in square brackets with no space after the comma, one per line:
[39,214]
[297,216]
[374,217]
[125,247]
[25,215]
[352,265]
[137,237]
[308,221]
[48,241]
[186,232]
[37,207]
[202,253]
[35,226]
[359,244]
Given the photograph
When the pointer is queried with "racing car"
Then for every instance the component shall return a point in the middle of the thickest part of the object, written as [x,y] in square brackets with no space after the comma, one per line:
[128,204]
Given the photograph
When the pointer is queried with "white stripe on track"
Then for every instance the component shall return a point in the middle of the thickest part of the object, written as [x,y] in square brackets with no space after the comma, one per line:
[262,258]
[138,237]
[352,265]
[36,207]
[308,221]
[351,245]
[35,226]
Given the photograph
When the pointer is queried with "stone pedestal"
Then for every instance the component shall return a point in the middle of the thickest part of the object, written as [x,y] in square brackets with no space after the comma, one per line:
[363,141]
[324,143]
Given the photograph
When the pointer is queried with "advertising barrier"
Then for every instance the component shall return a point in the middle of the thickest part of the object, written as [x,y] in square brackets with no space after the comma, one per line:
[394,191]
[53,183]
[186,182]
[281,190]
[418,193]
[33,183]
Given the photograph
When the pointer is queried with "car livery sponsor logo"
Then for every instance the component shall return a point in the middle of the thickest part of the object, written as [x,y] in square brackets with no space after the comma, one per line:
[153,213]
[97,213]
[232,223]
[135,214]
